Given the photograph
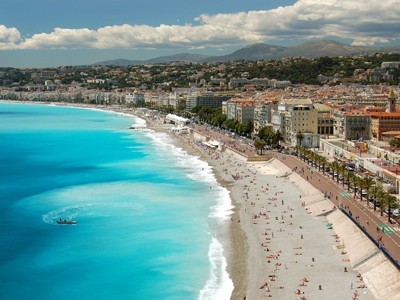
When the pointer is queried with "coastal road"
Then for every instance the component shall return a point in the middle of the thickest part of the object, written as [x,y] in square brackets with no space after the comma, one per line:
[371,221]
[367,218]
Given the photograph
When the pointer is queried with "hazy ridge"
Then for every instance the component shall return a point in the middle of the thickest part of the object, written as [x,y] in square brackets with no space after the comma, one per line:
[262,51]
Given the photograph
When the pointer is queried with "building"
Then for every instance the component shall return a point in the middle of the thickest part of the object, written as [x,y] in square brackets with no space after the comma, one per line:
[262,115]
[293,116]
[325,119]
[245,110]
[383,122]
[134,98]
[357,125]
[207,99]
[388,120]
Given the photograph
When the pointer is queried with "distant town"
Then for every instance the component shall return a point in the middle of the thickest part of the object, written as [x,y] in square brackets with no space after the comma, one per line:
[247,91]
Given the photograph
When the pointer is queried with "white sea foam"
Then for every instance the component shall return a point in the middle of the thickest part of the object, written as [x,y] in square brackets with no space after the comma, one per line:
[219,285]
[71,212]
[224,208]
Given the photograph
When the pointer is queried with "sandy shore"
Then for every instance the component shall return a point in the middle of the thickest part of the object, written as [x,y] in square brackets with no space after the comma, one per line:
[278,249]
[274,245]
[279,243]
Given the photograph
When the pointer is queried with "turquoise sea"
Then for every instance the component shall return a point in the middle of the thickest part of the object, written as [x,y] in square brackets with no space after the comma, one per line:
[147,211]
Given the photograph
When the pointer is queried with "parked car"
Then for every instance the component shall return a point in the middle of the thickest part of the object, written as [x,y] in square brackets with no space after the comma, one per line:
[393,211]
[363,193]
[396,212]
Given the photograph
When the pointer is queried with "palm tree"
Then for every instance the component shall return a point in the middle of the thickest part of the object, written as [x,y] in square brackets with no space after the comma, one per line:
[323,162]
[356,183]
[342,170]
[297,150]
[318,161]
[390,201]
[259,144]
[335,167]
[313,158]
[380,194]
[347,178]
[368,182]
[384,201]
[306,154]
[299,137]
[277,137]
[301,152]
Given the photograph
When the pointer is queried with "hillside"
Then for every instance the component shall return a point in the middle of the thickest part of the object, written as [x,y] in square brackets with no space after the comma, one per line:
[262,51]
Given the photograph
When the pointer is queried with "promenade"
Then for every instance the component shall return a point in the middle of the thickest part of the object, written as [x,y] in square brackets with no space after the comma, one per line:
[386,236]
[370,221]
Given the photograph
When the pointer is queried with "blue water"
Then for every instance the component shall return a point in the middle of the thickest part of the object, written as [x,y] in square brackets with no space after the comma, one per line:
[146,210]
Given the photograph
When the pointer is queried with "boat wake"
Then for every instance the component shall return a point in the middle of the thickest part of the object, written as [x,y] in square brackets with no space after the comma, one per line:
[92,209]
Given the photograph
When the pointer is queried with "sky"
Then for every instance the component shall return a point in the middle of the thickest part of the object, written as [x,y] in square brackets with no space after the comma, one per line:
[51,33]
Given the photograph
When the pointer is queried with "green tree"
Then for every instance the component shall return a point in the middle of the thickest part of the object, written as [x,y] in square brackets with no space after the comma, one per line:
[299,137]
[395,143]
[367,183]
[335,167]
[390,202]
[259,144]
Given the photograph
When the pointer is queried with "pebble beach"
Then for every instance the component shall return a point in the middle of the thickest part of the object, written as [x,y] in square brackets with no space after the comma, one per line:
[285,239]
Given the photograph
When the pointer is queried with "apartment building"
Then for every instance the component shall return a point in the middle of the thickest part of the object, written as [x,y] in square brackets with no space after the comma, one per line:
[383,122]
[293,116]
[207,99]
[245,110]
[262,114]
[325,119]
[356,125]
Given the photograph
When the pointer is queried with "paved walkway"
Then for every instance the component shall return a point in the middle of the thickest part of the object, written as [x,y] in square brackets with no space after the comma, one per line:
[371,221]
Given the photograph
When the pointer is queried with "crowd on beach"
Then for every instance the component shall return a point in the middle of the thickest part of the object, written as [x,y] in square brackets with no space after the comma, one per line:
[284,263]
[283,254]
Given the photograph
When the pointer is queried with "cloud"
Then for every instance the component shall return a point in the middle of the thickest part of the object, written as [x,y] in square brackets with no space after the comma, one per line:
[9,37]
[364,22]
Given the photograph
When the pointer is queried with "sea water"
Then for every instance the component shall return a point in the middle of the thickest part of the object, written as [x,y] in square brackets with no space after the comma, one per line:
[146,211]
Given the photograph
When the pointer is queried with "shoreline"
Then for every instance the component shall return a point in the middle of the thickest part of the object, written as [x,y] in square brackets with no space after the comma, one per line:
[268,207]
[247,263]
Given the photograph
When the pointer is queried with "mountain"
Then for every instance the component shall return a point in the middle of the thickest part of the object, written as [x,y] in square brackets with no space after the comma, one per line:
[252,52]
[326,48]
[118,62]
[262,51]
[178,57]
[161,59]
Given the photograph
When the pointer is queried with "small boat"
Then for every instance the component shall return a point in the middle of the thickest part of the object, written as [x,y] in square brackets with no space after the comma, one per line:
[66,222]
[138,126]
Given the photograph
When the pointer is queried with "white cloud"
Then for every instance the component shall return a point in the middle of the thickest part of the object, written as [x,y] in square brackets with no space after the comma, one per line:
[9,37]
[364,22]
